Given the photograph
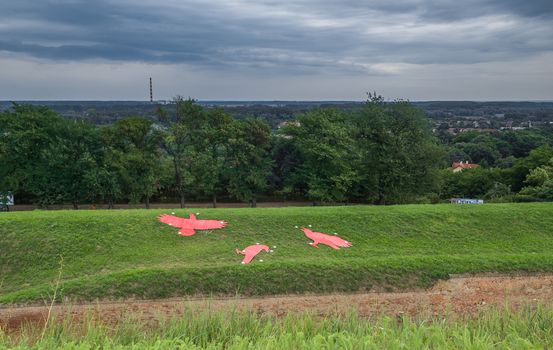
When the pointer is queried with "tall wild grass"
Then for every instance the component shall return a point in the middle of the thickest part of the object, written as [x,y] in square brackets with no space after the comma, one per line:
[529,328]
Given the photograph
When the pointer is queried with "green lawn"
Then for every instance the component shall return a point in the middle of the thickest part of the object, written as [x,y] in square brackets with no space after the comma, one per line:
[128,253]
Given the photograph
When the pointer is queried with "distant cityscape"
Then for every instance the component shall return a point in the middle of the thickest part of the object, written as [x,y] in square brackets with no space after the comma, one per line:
[453,117]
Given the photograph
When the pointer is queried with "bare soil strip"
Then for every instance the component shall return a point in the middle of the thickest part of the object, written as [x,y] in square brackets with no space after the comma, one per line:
[459,295]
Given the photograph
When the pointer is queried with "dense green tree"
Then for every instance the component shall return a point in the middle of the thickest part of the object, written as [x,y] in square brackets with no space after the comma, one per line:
[67,164]
[499,191]
[469,183]
[105,180]
[537,157]
[523,141]
[134,146]
[499,148]
[47,156]
[178,141]
[506,162]
[210,154]
[284,179]
[24,132]
[248,166]
[400,157]
[481,153]
[457,154]
[539,182]
[381,153]
[327,155]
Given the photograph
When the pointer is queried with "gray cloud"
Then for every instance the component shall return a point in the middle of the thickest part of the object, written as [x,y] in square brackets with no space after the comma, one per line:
[284,35]
[270,39]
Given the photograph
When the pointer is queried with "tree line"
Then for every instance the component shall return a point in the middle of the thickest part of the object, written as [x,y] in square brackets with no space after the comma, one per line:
[508,163]
[382,153]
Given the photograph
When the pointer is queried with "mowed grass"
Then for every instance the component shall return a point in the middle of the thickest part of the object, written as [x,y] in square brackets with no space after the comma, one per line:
[128,253]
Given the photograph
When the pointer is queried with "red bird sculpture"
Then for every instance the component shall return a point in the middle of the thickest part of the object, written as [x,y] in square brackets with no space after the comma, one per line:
[251,251]
[334,242]
[188,227]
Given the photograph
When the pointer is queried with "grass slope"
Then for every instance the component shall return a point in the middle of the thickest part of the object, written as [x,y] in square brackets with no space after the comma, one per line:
[128,253]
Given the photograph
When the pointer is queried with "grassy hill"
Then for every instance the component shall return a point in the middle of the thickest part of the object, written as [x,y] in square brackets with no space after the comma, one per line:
[128,253]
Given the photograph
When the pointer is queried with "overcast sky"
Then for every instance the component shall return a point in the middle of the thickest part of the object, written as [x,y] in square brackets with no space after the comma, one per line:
[276,49]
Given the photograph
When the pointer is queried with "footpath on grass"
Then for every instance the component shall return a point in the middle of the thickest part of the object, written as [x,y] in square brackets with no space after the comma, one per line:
[462,295]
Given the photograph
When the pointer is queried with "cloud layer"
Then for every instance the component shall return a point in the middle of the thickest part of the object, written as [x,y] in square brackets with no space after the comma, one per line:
[314,39]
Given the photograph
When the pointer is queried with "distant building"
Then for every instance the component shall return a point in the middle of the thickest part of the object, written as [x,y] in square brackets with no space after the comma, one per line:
[513,128]
[466,201]
[459,166]
[288,122]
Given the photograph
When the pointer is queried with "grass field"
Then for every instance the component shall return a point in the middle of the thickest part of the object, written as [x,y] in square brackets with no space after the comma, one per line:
[529,328]
[128,253]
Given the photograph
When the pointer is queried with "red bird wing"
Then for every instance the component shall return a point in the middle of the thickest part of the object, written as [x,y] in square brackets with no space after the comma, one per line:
[207,224]
[325,239]
[339,241]
[251,251]
[248,257]
[334,242]
[331,245]
[174,221]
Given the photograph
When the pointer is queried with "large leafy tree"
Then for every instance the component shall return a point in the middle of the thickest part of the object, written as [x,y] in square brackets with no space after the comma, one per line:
[326,156]
[134,144]
[522,167]
[76,153]
[248,165]
[471,183]
[400,157]
[24,132]
[46,156]
[497,149]
[178,141]
[196,141]
[539,182]
[211,151]
[105,181]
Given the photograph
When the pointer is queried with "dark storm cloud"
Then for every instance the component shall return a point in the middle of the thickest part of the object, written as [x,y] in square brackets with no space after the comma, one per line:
[440,10]
[303,35]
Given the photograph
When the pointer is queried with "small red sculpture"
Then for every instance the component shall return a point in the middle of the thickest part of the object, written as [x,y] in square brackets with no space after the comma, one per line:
[188,227]
[251,251]
[334,242]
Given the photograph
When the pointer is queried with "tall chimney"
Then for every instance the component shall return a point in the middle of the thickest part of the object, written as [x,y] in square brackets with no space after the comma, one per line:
[151,93]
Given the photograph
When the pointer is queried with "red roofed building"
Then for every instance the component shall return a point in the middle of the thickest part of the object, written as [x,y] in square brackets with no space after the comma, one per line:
[458,166]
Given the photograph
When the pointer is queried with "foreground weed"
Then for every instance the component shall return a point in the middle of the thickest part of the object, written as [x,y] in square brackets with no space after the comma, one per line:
[528,328]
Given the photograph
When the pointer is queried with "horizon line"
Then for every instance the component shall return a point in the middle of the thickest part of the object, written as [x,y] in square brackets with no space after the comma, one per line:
[260,100]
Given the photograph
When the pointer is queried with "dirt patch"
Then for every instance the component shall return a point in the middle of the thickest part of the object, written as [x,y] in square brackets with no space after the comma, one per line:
[458,295]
